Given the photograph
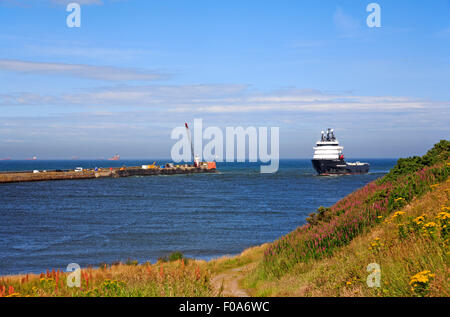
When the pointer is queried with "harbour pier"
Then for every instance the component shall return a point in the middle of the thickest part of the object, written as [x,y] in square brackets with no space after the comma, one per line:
[114,172]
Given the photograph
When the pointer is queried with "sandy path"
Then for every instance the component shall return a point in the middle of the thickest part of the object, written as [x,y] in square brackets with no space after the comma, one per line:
[230,281]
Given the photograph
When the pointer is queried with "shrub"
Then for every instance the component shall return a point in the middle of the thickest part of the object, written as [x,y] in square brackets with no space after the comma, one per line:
[174,256]
[321,214]
[439,153]
[131,262]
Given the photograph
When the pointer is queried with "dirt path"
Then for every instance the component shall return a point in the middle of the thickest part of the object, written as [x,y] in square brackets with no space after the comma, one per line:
[227,283]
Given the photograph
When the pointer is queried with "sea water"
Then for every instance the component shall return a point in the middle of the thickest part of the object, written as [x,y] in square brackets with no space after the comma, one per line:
[49,224]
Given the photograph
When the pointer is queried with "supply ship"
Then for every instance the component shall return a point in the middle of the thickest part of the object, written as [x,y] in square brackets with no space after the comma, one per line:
[328,158]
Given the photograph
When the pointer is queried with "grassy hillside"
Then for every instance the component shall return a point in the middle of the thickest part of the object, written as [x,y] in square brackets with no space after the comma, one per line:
[411,247]
[396,226]
[399,222]
[332,228]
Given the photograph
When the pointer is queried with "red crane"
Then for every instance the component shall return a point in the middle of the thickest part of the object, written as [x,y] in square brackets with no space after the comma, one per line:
[190,140]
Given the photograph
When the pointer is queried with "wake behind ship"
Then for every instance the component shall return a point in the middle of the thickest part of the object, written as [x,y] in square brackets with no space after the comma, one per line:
[329,160]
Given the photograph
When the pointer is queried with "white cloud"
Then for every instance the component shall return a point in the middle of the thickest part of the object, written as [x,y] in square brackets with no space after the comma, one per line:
[219,99]
[87,51]
[108,73]
[139,123]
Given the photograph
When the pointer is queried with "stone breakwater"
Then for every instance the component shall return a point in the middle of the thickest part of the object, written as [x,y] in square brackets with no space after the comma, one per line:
[29,176]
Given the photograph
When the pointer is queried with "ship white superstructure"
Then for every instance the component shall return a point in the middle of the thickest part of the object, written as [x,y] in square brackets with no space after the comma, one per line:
[328,147]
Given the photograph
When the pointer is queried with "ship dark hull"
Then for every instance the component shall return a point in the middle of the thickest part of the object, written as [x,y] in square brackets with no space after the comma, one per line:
[339,167]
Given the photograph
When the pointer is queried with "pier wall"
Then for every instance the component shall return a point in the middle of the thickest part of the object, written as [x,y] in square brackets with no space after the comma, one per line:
[15,177]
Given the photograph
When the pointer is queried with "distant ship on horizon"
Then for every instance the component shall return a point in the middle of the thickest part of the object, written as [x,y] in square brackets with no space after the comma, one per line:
[114,158]
[328,158]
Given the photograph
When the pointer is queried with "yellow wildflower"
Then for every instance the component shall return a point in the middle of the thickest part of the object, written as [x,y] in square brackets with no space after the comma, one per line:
[420,282]
[419,220]
[443,215]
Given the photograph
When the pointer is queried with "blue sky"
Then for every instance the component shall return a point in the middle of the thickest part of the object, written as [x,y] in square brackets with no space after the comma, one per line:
[137,69]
